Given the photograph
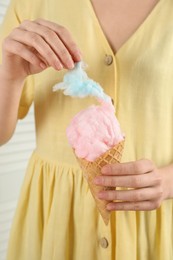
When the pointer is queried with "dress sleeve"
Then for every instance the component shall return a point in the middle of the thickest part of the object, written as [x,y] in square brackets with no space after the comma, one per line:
[17,11]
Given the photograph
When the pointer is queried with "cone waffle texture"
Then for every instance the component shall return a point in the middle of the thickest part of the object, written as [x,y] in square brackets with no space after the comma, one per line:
[93,169]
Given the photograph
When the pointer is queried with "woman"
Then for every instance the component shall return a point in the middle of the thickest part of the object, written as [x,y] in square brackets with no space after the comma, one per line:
[128,46]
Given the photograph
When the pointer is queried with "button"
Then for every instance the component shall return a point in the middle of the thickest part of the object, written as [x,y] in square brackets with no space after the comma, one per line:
[108,59]
[103,242]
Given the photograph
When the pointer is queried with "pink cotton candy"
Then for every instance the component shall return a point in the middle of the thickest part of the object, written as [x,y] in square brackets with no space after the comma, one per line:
[94,130]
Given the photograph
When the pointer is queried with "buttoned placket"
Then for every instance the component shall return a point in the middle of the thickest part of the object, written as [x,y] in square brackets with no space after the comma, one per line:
[110,64]
[105,241]
[105,238]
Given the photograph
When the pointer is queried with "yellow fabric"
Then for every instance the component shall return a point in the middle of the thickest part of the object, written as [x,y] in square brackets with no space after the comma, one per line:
[56,218]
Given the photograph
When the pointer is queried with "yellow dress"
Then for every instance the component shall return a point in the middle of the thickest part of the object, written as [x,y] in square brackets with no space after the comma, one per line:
[56,217]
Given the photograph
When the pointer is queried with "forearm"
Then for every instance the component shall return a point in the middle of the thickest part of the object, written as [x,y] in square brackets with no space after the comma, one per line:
[10,92]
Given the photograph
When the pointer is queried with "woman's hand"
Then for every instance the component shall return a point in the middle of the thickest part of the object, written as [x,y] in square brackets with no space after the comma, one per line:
[145,185]
[36,45]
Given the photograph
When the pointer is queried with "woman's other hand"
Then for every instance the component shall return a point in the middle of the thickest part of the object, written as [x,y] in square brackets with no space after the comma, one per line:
[37,45]
[144,187]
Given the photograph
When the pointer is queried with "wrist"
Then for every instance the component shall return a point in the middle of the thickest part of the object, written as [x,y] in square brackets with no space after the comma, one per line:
[7,77]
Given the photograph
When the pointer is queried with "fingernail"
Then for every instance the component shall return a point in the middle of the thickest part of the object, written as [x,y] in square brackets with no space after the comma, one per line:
[70,64]
[78,56]
[43,65]
[58,65]
[61,66]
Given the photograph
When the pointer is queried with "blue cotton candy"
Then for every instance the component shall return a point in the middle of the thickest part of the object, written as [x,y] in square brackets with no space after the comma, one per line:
[76,83]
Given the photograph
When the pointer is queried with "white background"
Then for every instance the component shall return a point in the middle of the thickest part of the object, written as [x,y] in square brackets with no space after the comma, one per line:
[13,160]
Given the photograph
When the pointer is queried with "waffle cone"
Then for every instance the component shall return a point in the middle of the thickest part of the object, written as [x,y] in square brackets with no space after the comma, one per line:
[93,169]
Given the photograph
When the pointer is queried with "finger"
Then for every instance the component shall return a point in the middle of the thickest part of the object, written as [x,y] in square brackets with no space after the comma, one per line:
[34,40]
[53,40]
[134,195]
[129,168]
[134,206]
[22,51]
[134,181]
[65,36]
[41,58]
